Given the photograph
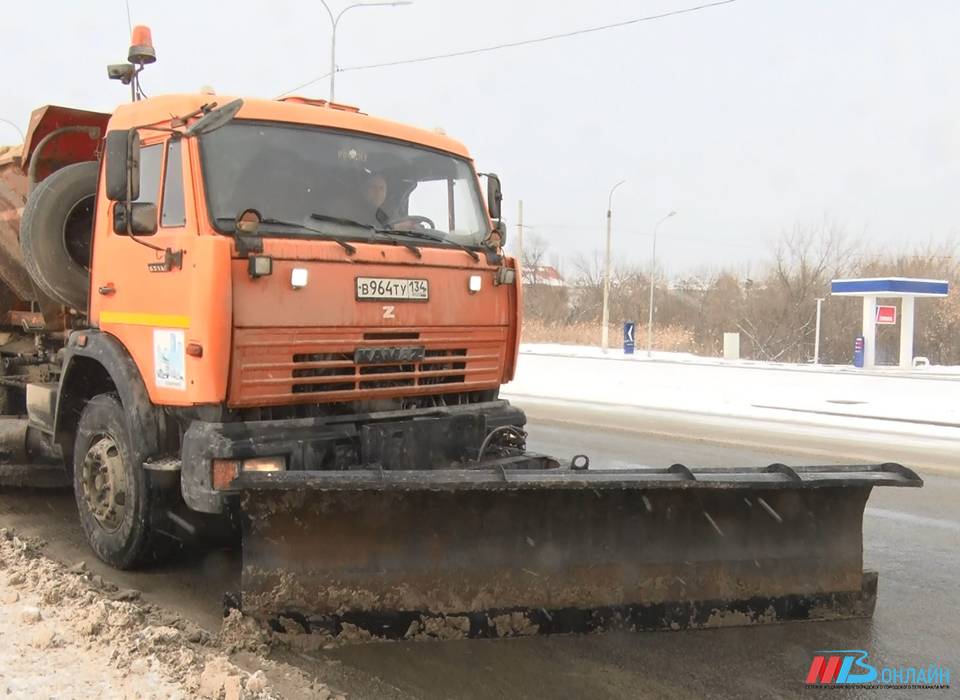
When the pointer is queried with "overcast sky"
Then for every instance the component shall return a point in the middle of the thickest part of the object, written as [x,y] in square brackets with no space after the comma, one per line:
[748,118]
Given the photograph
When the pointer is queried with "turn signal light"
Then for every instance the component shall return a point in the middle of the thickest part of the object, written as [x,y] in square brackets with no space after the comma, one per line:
[224,472]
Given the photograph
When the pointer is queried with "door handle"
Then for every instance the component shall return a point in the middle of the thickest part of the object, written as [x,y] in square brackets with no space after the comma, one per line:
[107,289]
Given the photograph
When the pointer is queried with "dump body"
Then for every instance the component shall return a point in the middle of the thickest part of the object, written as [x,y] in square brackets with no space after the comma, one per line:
[16,288]
[57,136]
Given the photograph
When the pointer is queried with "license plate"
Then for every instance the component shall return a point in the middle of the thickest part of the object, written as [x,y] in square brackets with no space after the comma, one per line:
[392,288]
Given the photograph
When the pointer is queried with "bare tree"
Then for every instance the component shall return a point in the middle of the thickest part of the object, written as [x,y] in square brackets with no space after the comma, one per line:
[534,257]
[779,313]
[542,301]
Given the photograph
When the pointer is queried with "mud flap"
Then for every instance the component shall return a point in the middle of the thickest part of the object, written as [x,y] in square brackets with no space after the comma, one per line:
[484,553]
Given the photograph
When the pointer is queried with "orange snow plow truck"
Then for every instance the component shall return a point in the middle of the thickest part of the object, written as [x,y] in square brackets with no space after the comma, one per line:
[296,317]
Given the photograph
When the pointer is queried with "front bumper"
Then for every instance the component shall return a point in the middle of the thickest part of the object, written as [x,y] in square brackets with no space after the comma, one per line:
[421,439]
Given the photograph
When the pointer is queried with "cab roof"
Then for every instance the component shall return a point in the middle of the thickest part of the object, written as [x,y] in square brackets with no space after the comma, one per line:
[294,110]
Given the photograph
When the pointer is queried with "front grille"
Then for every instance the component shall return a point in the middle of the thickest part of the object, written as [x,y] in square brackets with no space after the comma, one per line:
[269,367]
[402,375]
[339,373]
[337,365]
[451,360]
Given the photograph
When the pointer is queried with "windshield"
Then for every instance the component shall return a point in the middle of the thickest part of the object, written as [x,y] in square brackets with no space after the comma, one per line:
[340,183]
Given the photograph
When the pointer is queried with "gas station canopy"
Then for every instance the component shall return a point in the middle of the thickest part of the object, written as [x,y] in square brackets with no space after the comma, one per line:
[906,289]
[890,287]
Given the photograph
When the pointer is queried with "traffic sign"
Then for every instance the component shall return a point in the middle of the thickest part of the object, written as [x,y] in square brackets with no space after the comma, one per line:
[629,339]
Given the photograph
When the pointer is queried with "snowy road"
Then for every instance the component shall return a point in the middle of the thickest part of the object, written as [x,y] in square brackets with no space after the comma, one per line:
[910,536]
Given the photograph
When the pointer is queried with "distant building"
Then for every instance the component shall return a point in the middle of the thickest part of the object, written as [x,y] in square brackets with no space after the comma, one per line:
[543,275]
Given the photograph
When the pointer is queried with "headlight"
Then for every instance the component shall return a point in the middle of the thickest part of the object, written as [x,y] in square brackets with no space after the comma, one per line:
[264,464]
[226,470]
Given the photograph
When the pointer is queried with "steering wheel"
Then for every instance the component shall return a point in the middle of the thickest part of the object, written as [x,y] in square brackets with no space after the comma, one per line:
[415,221]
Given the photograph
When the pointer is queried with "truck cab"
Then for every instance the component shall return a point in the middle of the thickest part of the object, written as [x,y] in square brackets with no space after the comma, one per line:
[362,236]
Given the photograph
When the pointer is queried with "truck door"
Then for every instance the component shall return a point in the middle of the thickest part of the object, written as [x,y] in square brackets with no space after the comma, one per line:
[165,315]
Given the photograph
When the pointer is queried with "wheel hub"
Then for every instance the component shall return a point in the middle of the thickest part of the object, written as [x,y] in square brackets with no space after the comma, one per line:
[104,483]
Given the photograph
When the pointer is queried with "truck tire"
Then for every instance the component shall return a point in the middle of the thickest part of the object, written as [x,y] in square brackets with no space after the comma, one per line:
[118,510]
[56,230]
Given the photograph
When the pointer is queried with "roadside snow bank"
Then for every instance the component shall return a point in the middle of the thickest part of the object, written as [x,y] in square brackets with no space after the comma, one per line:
[68,634]
[883,415]
[733,388]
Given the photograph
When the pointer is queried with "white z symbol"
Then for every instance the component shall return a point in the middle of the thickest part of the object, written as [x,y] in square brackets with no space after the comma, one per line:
[388,311]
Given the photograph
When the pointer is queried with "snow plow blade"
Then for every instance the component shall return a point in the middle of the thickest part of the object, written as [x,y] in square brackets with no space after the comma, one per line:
[502,552]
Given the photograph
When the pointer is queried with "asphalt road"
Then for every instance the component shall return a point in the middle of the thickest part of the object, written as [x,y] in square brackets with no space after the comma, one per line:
[911,536]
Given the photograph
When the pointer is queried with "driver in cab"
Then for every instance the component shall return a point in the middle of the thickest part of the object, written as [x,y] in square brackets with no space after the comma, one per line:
[373,191]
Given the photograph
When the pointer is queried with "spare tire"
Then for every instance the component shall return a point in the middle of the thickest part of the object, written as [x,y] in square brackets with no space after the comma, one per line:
[56,231]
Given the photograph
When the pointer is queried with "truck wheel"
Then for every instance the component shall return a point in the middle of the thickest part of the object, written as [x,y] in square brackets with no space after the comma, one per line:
[118,510]
[55,233]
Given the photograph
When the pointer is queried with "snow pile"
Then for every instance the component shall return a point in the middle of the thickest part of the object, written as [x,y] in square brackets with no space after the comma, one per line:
[751,390]
[67,633]
[912,417]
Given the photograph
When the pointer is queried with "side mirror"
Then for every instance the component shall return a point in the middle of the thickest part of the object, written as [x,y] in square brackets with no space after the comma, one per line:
[214,119]
[122,170]
[142,218]
[494,196]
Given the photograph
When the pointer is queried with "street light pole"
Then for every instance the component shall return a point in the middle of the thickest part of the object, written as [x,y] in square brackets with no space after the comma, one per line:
[335,20]
[653,271]
[816,341]
[605,331]
[520,238]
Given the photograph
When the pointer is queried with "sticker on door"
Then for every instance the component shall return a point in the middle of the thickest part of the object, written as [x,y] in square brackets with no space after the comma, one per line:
[169,359]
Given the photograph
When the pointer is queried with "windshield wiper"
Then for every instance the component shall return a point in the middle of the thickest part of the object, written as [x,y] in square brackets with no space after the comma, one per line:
[350,222]
[393,241]
[339,220]
[322,235]
[432,237]
[318,234]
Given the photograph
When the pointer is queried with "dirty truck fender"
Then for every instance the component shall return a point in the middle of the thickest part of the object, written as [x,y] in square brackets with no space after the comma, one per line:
[102,364]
